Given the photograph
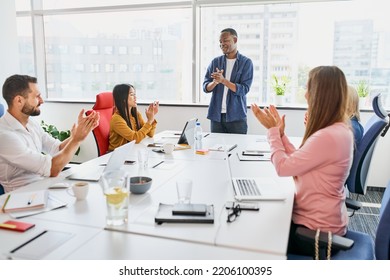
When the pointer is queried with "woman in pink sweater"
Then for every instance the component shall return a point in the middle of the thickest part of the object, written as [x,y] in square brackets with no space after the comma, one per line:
[320,166]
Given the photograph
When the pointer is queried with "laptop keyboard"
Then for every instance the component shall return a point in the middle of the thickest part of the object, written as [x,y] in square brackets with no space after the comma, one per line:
[248,187]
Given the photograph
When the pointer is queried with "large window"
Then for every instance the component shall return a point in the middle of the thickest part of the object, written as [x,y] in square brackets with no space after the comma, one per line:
[26,46]
[164,47]
[106,37]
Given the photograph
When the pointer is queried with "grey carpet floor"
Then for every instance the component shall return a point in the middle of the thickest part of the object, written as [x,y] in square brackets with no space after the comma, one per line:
[367,218]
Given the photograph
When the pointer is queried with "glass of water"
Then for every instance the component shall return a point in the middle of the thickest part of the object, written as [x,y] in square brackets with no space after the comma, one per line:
[116,190]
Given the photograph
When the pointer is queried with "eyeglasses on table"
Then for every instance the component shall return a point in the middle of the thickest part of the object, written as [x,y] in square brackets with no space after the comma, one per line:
[233,213]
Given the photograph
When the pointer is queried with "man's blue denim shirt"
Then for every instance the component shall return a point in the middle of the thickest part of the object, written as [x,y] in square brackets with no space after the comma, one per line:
[242,76]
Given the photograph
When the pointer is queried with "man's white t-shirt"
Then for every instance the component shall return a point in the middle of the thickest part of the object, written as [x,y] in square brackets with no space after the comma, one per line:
[228,73]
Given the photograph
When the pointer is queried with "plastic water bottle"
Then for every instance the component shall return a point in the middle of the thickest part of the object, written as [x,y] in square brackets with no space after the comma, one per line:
[198,136]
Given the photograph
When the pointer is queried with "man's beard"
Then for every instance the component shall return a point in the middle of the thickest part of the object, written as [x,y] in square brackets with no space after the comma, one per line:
[30,110]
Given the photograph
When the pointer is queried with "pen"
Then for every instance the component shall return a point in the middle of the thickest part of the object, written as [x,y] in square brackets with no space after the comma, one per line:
[207,134]
[31,199]
[5,203]
[235,145]
[157,164]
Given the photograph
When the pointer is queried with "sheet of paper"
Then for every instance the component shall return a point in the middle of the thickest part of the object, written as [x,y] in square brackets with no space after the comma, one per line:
[40,245]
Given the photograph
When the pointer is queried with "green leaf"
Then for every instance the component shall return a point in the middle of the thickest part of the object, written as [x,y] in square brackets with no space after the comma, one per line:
[55,133]
[63,135]
[362,88]
[280,84]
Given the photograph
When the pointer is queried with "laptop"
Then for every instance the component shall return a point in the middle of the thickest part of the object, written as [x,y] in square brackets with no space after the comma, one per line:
[254,188]
[116,161]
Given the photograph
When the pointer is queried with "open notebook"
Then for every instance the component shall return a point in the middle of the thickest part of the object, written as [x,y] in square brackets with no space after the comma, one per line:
[117,159]
[254,188]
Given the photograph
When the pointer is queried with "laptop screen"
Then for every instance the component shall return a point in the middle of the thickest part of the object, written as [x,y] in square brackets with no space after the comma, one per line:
[116,161]
[118,156]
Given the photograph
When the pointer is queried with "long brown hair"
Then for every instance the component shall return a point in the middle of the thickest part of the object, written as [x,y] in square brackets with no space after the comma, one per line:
[353,103]
[326,98]
[121,96]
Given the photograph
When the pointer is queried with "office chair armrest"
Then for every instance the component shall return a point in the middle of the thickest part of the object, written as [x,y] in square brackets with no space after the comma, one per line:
[353,204]
[338,242]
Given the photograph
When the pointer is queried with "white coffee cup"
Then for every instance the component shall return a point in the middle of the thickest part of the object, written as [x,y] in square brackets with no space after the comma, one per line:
[168,148]
[79,190]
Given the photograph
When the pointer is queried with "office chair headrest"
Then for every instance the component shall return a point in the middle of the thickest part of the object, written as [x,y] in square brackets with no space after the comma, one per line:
[377,106]
[104,100]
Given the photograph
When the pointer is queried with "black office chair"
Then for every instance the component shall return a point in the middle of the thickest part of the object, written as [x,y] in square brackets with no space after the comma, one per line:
[355,245]
[356,181]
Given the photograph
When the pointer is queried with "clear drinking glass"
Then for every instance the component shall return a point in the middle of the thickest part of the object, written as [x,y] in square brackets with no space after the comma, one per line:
[116,190]
[143,158]
[184,190]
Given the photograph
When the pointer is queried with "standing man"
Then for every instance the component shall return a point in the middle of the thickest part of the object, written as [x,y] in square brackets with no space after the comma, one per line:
[229,78]
[27,152]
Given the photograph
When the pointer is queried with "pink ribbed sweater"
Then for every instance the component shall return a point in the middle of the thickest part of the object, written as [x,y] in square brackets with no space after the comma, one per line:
[320,168]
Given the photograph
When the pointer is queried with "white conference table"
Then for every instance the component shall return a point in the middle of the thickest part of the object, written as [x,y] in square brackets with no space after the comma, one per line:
[254,235]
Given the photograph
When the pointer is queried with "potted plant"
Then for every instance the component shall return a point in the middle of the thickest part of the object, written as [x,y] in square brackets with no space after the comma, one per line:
[54,132]
[279,86]
[363,91]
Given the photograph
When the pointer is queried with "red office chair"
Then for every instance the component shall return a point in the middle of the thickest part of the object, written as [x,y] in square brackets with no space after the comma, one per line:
[105,106]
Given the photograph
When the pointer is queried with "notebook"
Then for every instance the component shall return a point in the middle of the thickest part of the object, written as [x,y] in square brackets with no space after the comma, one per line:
[24,201]
[116,161]
[254,188]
